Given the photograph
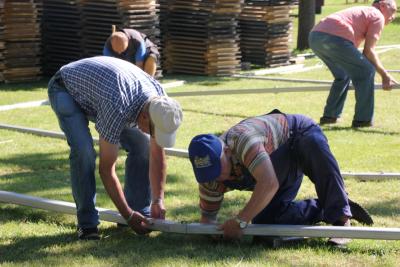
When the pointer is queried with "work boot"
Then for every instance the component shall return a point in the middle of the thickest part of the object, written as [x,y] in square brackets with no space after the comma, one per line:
[327,120]
[358,124]
[360,214]
[340,242]
[88,233]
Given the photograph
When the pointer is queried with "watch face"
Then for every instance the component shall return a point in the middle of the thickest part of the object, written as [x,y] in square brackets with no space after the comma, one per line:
[242,225]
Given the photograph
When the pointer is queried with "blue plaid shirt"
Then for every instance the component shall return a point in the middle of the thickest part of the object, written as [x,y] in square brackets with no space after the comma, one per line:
[111,90]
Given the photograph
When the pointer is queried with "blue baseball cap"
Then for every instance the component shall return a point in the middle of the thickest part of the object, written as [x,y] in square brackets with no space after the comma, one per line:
[205,152]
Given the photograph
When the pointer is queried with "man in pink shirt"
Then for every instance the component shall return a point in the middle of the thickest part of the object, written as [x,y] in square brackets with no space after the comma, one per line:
[335,40]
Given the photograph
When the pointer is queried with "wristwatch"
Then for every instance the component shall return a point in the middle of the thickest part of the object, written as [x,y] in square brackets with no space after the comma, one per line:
[242,224]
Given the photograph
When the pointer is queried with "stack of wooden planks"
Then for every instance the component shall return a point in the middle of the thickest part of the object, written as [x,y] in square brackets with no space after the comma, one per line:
[201,36]
[74,29]
[99,15]
[265,28]
[61,33]
[22,39]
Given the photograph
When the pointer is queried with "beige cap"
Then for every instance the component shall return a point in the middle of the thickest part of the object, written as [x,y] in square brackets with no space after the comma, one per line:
[166,114]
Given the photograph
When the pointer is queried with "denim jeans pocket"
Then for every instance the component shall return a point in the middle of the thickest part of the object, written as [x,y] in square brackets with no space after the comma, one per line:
[63,104]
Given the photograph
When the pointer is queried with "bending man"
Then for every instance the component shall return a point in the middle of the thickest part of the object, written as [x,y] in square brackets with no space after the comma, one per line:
[135,47]
[268,155]
[335,41]
[129,108]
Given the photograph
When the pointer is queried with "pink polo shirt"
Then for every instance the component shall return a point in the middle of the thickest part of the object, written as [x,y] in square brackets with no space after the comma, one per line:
[354,24]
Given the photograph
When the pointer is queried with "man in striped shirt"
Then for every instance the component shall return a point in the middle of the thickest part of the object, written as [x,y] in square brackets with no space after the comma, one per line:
[129,108]
[268,155]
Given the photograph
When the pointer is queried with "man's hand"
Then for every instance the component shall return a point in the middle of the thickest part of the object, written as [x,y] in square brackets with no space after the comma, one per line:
[388,82]
[231,230]
[138,223]
[158,210]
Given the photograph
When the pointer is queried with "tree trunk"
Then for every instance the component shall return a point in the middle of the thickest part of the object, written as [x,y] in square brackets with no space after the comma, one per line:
[306,22]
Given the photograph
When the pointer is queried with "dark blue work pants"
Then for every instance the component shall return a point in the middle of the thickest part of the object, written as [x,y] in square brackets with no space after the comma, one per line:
[306,152]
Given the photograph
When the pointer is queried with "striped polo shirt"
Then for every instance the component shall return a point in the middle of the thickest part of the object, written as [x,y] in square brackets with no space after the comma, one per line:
[251,141]
[111,90]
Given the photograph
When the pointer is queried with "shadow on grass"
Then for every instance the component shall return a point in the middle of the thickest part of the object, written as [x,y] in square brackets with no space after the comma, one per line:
[29,86]
[362,130]
[386,208]
[150,250]
[37,161]
[41,171]
[28,182]
[21,215]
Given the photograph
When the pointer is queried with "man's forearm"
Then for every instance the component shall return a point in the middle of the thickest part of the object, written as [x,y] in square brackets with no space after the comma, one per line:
[157,171]
[374,59]
[114,190]
[261,197]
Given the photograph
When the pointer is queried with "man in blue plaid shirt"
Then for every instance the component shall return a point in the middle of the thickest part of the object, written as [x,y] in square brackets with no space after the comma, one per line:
[129,108]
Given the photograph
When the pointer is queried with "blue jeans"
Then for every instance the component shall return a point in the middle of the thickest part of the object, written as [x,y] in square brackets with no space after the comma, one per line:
[74,123]
[346,63]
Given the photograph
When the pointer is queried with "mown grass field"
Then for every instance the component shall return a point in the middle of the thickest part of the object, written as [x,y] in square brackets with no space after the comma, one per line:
[39,166]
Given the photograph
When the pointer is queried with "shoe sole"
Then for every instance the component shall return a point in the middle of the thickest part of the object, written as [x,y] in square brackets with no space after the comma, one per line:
[360,214]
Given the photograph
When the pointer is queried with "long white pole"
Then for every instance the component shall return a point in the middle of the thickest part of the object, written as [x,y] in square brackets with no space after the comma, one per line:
[280,79]
[209,229]
[261,91]
[182,153]
[60,135]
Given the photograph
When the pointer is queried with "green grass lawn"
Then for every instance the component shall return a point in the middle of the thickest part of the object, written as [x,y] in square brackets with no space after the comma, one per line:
[39,166]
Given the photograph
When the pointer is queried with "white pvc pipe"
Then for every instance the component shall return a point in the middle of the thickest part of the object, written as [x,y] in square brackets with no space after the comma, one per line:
[281,79]
[226,91]
[44,102]
[209,229]
[371,175]
[183,153]
[60,135]
[263,91]
[172,84]
[24,105]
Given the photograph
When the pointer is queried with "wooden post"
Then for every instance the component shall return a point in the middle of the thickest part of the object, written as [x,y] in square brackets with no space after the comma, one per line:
[306,22]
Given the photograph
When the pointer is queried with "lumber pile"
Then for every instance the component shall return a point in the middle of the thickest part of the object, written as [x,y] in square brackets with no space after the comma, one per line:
[265,28]
[22,40]
[74,29]
[99,15]
[201,36]
[61,34]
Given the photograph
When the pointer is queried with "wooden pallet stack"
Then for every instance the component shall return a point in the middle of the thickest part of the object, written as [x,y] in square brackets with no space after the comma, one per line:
[265,28]
[202,37]
[141,15]
[22,36]
[61,34]
[2,43]
[163,19]
[99,15]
